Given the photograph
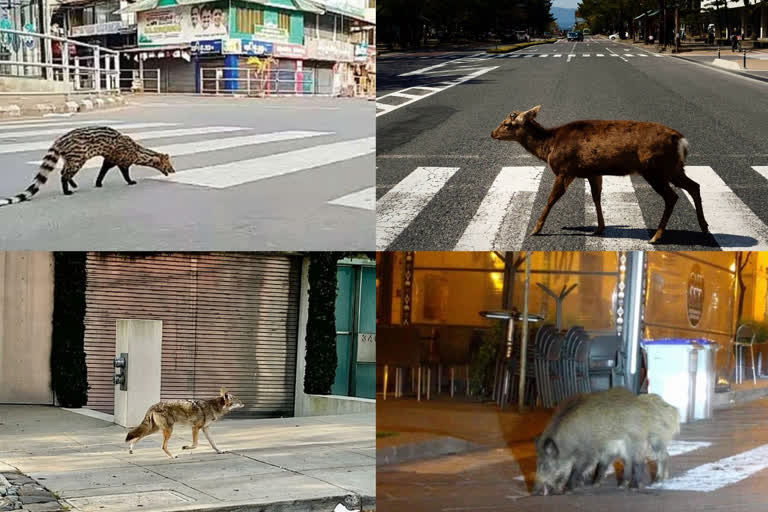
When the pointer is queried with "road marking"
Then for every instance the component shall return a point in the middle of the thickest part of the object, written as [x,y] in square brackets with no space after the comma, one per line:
[726,214]
[389,108]
[190,148]
[255,169]
[57,131]
[600,55]
[557,55]
[364,199]
[586,55]
[513,189]
[570,56]
[715,475]
[16,125]
[628,55]
[404,95]
[544,55]
[622,214]
[762,169]
[641,55]
[398,207]
[203,130]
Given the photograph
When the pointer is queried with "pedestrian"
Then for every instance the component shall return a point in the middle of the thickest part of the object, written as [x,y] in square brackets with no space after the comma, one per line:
[734,42]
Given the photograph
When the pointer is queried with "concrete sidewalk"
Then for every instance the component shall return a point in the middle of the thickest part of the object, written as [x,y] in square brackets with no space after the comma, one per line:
[286,464]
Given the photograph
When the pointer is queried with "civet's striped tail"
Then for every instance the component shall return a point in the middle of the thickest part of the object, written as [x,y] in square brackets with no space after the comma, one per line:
[49,164]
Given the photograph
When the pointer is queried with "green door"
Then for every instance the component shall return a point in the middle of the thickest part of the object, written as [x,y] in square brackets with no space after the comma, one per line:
[355,330]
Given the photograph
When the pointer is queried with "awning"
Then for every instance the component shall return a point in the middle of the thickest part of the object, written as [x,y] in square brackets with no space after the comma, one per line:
[298,5]
[343,11]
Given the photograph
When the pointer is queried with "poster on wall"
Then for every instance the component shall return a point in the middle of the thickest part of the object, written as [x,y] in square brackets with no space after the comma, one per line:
[182,24]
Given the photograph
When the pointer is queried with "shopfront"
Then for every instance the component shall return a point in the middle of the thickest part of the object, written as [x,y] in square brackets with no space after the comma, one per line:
[700,296]
[25,16]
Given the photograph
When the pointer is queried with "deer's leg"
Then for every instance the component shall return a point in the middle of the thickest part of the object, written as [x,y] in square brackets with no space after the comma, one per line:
[596,185]
[662,187]
[692,188]
[558,189]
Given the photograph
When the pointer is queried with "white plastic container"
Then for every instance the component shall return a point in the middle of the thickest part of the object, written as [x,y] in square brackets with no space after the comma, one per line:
[672,365]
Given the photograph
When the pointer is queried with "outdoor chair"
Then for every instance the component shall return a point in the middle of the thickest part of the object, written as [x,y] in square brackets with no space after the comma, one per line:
[745,337]
[398,348]
[453,351]
[602,361]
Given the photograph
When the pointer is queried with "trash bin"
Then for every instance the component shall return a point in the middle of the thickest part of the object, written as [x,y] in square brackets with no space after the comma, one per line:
[705,379]
[672,365]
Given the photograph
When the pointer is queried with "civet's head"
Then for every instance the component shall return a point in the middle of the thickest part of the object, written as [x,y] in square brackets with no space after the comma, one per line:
[513,126]
[163,164]
[230,400]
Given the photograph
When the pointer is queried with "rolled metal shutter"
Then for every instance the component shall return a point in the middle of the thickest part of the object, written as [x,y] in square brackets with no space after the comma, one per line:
[229,319]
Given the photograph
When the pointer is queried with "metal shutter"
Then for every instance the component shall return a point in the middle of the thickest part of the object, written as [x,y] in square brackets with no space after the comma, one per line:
[229,319]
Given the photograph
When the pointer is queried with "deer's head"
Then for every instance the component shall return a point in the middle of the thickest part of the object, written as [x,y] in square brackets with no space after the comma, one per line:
[513,127]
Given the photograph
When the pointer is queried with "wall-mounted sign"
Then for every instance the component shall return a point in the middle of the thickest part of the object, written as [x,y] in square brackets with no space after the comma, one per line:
[182,24]
[361,52]
[254,47]
[233,46]
[695,295]
[325,49]
[290,51]
[366,347]
[206,47]
[270,32]
[111,27]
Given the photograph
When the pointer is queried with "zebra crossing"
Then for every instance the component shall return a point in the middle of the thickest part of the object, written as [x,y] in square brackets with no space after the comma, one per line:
[203,155]
[500,220]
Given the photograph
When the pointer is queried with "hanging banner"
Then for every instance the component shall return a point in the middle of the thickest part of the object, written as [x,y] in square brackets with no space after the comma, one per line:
[182,24]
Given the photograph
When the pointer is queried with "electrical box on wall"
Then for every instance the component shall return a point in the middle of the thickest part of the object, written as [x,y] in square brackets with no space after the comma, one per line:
[138,348]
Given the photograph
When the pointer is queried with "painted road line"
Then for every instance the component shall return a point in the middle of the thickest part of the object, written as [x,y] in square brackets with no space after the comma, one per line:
[191,148]
[57,131]
[364,199]
[570,56]
[18,125]
[628,55]
[715,475]
[622,214]
[398,207]
[436,89]
[404,95]
[528,56]
[203,130]
[558,55]
[762,170]
[586,55]
[391,108]
[544,55]
[600,55]
[279,164]
[727,215]
[641,55]
[512,192]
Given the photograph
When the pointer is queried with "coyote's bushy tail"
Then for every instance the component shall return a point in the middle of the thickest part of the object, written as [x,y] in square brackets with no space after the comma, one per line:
[145,428]
[48,164]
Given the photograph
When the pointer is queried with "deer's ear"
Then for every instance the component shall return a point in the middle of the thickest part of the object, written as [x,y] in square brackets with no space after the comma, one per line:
[530,114]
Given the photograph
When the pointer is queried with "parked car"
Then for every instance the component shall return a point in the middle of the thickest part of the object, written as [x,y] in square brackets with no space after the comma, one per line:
[613,37]
[573,36]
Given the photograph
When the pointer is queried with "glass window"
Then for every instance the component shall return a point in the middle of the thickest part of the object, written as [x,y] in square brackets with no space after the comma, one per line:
[246,19]
[284,21]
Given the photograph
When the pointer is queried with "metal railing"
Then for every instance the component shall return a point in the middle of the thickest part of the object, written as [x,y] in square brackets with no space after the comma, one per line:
[251,82]
[140,80]
[92,69]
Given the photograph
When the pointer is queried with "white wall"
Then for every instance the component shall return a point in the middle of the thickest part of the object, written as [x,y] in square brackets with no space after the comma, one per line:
[26,313]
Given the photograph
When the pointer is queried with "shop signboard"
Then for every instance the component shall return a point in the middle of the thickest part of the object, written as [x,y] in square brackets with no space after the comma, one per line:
[695,295]
[270,32]
[255,47]
[95,29]
[361,52]
[325,49]
[206,47]
[233,46]
[184,24]
[290,51]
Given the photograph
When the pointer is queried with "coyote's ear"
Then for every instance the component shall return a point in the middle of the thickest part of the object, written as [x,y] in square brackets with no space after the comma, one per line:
[223,391]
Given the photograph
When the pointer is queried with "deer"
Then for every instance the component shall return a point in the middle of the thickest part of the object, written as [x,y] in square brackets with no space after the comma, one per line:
[596,148]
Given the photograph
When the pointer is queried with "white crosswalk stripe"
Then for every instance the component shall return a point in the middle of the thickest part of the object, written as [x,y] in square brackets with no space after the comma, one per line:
[261,168]
[364,199]
[515,187]
[501,219]
[20,125]
[398,207]
[725,212]
[59,131]
[207,130]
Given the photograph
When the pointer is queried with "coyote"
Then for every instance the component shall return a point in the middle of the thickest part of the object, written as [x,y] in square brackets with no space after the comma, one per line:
[198,413]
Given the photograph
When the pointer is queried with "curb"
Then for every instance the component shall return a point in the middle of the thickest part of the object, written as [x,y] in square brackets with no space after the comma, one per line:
[350,501]
[724,70]
[85,105]
[422,450]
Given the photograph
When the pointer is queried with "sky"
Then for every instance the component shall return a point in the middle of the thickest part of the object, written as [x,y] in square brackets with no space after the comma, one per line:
[566,3]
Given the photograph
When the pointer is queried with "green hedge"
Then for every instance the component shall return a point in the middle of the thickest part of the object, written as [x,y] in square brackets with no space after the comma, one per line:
[320,369]
[69,376]
[512,47]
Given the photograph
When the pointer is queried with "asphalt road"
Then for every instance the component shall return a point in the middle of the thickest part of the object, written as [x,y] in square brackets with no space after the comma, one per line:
[715,465]
[442,183]
[252,174]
